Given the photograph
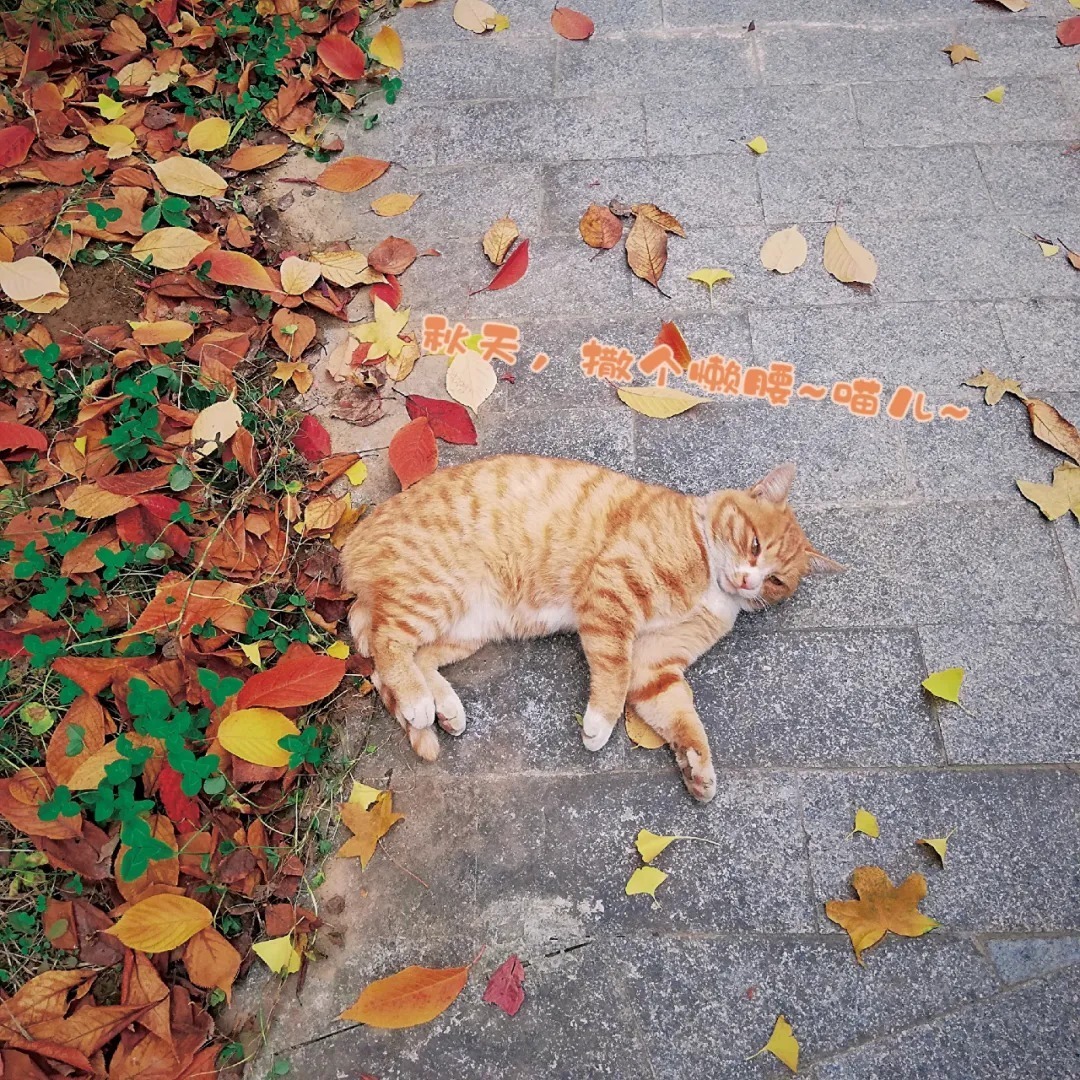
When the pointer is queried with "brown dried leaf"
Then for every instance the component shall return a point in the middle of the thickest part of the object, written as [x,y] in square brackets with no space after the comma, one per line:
[499,239]
[599,227]
[646,249]
[996,388]
[667,222]
[1050,427]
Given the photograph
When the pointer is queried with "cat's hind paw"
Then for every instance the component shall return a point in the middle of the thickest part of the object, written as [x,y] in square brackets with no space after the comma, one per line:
[424,741]
[698,775]
[595,730]
[449,711]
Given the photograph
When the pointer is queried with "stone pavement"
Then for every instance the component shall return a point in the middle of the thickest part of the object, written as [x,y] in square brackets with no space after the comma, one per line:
[519,839]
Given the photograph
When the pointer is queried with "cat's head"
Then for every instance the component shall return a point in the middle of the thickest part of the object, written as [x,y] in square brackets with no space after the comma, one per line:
[759,551]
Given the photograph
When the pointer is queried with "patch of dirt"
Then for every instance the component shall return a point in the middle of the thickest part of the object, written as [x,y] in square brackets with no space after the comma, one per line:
[102,294]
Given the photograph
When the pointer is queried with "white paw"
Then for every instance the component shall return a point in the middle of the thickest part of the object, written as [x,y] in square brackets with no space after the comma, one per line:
[419,713]
[698,775]
[595,730]
[451,713]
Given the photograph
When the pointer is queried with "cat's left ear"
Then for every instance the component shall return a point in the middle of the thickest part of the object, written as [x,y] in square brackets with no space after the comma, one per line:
[822,564]
[775,487]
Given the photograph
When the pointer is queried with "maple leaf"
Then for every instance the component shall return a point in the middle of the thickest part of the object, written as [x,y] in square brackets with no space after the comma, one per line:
[383,333]
[881,907]
[1056,499]
[368,827]
[996,388]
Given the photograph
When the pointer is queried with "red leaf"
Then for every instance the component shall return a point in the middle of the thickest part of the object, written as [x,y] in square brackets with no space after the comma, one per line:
[341,55]
[672,336]
[449,420]
[413,452]
[21,437]
[571,24]
[182,809]
[505,987]
[234,268]
[348,22]
[300,677]
[165,12]
[1068,31]
[15,143]
[312,439]
[511,271]
[389,291]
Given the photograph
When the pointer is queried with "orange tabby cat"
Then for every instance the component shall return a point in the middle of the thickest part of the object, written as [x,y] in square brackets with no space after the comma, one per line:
[518,547]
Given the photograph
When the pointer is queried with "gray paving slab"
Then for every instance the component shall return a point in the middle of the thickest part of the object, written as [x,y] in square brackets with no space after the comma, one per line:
[1020,959]
[1015,47]
[1041,336]
[1032,178]
[489,66]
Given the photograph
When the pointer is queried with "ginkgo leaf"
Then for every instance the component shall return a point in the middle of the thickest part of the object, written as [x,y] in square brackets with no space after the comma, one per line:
[646,249]
[996,388]
[338,649]
[782,1045]
[385,48]
[645,879]
[640,733]
[279,955]
[356,474]
[758,145]
[710,276]
[945,684]
[650,844]
[255,735]
[938,844]
[363,794]
[959,53]
[161,923]
[1056,499]
[470,379]
[170,248]
[997,94]
[881,907]
[1048,250]
[214,426]
[393,205]
[298,275]
[251,651]
[848,260]
[407,998]
[368,826]
[865,822]
[209,134]
[475,15]
[29,278]
[659,402]
[499,239]
[784,251]
[383,333]
[186,176]
[599,227]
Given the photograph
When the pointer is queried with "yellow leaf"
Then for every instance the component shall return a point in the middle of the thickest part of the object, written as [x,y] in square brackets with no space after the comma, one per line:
[470,379]
[161,923]
[1056,499]
[368,827]
[209,134]
[645,879]
[91,770]
[356,474]
[80,444]
[996,95]
[214,426]
[111,135]
[500,22]
[938,844]
[660,402]
[298,275]
[186,176]
[650,844]
[407,998]
[385,48]
[959,53]
[161,332]
[253,735]
[640,733]
[170,248]
[345,268]
[1049,250]
[865,822]
[393,205]
[111,110]
[710,276]
[784,251]
[474,15]
[28,279]
[50,302]
[945,684]
[782,1045]
[338,650]
[278,954]
[848,260]
[363,794]
[252,653]
[384,332]
[758,145]
[996,388]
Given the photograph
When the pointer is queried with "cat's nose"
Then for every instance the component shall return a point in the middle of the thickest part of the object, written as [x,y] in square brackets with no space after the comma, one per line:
[742,581]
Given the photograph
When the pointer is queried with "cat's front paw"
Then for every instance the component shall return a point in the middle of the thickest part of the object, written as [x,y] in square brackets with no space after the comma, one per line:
[595,730]
[450,712]
[419,712]
[698,775]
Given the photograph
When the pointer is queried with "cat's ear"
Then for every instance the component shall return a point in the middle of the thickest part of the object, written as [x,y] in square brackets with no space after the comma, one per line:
[822,564]
[774,488]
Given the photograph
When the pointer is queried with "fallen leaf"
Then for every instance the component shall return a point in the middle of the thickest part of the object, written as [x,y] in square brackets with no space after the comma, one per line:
[710,276]
[385,48]
[505,987]
[1074,258]
[782,1045]
[646,250]
[94,502]
[363,794]
[848,260]
[29,278]
[170,248]
[996,95]
[211,961]
[209,134]
[958,53]
[645,879]
[368,827]
[256,156]
[15,143]
[312,439]
[351,173]
[996,388]
[234,268]
[667,222]
[1068,31]
[449,420]
[671,336]
[161,923]
[1058,498]
[161,333]
[356,474]
[383,333]
[938,844]
[1015,5]
[1050,427]
[254,735]
[186,176]
[299,678]
[865,822]
[660,402]
[361,405]
[298,275]
[758,145]
[341,55]
[511,271]
[214,426]
[945,684]
[410,997]
[640,733]
[784,251]
[470,379]
[475,15]
[393,205]
[881,907]
[571,24]
[499,239]
[413,452]
[1048,250]
[392,255]
[650,844]
[344,268]
[278,954]
[599,227]
[21,436]
[339,650]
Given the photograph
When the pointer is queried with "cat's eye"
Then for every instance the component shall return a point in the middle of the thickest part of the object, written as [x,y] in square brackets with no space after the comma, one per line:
[777,581]
[755,547]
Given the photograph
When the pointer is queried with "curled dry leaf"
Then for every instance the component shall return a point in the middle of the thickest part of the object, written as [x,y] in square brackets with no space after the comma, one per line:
[170,248]
[360,405]
[646,250]
[995,387]
[28,279]
[298,275]
[847,260]
[392,255]
[1056,499]
[186,176]
[413,996]
[571,24]
[599,227]
[351,173]
[413,452]
[667,222]
[499,239]
[784,251]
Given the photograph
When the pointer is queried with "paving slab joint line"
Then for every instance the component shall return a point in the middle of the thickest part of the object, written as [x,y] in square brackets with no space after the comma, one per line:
[811,884]
[935,705]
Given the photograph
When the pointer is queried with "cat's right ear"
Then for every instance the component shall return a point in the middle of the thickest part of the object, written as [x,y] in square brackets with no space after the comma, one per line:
[775,487]
[822,564]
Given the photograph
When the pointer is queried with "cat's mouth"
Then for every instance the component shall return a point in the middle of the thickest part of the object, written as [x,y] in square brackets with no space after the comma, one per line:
[729,586]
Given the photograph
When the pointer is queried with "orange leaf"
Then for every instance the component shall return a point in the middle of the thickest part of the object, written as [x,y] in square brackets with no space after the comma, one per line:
[234,268]
[293,333]
[351,173]
[392,255]
[341,55]
[413,996]
[671,335]
[368,826]
[211,961]
[15,143]
[89,1029]
[571,24]
[511,271]
[300,677]
[599,227]
[255,157]
[413,452]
